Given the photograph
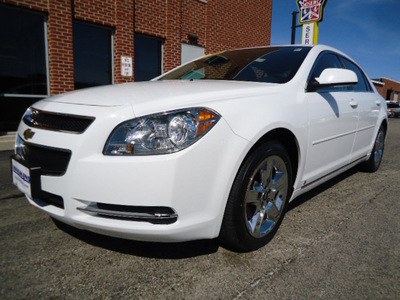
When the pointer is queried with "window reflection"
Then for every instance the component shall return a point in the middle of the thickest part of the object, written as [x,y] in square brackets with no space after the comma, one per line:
[22,52]
[148,53]
[92,55]
[267,64]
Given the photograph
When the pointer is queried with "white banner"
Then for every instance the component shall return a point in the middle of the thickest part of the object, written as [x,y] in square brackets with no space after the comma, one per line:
[308,34]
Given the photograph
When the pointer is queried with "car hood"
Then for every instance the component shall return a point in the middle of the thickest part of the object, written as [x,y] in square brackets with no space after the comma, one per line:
[156,96]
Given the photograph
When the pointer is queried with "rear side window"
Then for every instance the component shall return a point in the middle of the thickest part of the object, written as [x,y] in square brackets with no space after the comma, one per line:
[362,85]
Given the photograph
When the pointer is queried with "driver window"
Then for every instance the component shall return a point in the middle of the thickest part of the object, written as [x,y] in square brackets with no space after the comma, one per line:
[325,61]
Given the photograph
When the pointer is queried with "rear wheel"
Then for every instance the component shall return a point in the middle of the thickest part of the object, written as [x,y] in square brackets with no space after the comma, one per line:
[375,160]
[258,199]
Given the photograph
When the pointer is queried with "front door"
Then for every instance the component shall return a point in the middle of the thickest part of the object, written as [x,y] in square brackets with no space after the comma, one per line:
[333,118]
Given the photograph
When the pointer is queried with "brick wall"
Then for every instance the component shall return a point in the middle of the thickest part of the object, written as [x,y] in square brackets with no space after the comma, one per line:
[238,23]
[218,24]
[40,5]
[194,21]
[151,17]
[61,52]
[172,45]
[123,38]
[96,11]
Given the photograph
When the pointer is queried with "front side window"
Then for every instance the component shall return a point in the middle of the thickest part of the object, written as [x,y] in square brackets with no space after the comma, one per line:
[326,61]
[23,64]
[148,57]
[92,55]
[270,64]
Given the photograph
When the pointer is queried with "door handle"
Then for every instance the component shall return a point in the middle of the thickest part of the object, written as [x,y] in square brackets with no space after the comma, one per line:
[353,103]
[378,103]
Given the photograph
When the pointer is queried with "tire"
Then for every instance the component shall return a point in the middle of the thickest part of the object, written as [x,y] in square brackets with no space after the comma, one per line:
[258,199]
[375,159]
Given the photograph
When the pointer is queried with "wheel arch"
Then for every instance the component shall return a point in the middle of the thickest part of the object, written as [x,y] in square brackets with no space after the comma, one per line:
[289,142]
[384,124]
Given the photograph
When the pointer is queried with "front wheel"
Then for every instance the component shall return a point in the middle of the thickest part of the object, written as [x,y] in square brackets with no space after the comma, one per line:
[258,199]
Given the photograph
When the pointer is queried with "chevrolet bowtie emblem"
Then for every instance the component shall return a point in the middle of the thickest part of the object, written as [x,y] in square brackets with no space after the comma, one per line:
[28,134]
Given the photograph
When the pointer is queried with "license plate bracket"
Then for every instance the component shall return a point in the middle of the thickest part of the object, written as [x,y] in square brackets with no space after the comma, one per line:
[26,177]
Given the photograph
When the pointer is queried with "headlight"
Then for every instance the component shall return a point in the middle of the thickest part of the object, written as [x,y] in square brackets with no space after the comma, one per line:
[161,133]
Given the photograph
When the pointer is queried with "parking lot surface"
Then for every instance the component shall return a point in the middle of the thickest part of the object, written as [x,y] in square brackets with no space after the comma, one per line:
[340,241]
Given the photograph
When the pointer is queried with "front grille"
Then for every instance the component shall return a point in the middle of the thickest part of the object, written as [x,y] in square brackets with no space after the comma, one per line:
[52,161]
[57,121]
[46,198]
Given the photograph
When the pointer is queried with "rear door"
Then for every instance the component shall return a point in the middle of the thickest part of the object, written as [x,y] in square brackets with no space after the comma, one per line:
[368,107]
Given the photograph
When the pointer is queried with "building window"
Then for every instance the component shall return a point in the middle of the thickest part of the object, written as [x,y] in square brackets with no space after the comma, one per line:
[190,52]
[389,94]
[93,57]
[23,53]
[148,57]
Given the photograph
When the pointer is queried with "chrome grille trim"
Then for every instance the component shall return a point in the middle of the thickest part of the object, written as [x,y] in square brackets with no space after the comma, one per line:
[57,121]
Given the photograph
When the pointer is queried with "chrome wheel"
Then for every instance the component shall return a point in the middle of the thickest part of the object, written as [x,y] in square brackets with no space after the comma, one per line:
[265,196]
[375,159]
[378,149]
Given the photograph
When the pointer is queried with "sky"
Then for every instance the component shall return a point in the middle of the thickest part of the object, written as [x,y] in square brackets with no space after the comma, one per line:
[366,30]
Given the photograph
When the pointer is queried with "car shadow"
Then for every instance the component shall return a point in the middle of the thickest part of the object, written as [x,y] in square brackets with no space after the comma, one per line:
[321,188]
[144,249]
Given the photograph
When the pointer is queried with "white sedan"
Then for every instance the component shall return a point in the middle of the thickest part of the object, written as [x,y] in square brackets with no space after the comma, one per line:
[214,148]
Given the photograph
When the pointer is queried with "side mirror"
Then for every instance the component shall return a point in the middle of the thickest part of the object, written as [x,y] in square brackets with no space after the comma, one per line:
[332,77]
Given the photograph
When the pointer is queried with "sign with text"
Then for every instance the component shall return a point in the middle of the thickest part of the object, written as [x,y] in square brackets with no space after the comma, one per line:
[126,66]
[311,13]
[310,34]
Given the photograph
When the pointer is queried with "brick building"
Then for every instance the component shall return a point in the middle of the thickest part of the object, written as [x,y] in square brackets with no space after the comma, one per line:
[388,88]
[48,47]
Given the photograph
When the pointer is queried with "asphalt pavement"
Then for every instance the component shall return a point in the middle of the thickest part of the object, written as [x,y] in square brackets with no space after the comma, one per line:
[340,241]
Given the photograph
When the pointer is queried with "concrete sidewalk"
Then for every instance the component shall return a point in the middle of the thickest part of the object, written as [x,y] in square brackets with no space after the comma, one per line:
[7,142]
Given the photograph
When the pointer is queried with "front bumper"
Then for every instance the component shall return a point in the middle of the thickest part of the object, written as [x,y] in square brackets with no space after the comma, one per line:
[174,197]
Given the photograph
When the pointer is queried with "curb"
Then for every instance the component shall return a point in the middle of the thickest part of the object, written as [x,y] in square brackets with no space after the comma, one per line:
[7,142]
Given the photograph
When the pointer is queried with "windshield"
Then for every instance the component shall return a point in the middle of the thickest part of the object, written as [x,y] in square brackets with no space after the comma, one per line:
[270,64]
